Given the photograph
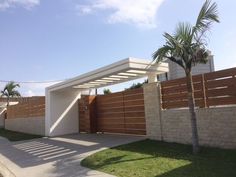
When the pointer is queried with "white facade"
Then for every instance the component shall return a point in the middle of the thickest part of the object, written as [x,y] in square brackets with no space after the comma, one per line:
[62,106]
[175,71]
[62,114]
[31,125]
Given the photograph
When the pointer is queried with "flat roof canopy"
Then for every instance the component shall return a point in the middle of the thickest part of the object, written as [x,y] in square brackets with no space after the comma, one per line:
[118,72]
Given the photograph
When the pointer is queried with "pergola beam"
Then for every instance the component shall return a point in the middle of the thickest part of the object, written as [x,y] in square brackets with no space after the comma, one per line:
[122,71]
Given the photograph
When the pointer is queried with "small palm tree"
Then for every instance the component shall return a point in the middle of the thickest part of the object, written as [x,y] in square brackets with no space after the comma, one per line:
[10,91]
[187,47]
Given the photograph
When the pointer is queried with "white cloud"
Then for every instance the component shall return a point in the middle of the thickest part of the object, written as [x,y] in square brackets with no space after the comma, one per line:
[139,12]
[28,4]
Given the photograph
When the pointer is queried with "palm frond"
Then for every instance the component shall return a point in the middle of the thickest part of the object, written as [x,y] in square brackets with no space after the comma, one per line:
[10,90]
[187,47]
[162,53]
[201,56]
[15,93]
[183,33]
[208,14]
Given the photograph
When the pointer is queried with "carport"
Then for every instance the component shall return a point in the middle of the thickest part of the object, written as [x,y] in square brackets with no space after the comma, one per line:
[62,114]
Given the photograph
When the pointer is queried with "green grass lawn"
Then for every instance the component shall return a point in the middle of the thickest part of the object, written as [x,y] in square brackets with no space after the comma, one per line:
[16,136]
[158,159]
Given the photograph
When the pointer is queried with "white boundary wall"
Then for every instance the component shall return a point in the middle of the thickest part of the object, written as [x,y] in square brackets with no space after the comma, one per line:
[31,125]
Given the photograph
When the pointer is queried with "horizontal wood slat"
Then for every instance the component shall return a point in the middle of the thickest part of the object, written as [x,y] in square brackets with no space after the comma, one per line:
[218,101]
[221,92]
[210,89]
[27,107]
[220,83]
[221,74]
[122,112]
[177,82]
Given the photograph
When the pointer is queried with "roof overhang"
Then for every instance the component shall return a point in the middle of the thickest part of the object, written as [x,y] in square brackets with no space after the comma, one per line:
[118,72]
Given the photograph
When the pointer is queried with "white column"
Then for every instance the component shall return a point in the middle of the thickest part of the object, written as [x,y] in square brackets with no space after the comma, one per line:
[62,112]
[47,112]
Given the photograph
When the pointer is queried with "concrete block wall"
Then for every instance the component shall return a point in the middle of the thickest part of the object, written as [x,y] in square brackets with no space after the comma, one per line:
[216,126]
[33,125]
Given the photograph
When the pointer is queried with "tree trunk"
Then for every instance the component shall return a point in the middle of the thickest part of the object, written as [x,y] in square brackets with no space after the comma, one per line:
[191,104]
[8,101]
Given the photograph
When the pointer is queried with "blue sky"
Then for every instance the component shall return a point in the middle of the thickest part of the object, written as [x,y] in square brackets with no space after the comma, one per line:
[42,40]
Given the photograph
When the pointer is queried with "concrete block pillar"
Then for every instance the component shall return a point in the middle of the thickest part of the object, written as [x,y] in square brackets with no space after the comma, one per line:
[153,110]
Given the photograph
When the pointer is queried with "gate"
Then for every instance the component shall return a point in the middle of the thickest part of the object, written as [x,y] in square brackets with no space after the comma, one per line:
[121,112]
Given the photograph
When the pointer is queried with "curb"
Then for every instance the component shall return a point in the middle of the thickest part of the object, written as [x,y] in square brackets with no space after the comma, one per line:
[5,171]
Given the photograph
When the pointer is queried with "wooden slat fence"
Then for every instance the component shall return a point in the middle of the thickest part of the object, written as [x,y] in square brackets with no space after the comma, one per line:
[210,89]
[87,114]
[27,108]
[121,112]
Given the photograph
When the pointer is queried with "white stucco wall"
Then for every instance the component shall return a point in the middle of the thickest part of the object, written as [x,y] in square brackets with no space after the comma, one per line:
[31,125]
[62,112]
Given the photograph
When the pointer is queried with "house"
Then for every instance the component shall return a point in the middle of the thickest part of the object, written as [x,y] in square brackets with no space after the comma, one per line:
[176,72]
[157,110]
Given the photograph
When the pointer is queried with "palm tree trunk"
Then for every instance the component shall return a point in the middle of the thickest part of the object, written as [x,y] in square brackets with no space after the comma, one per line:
[191,104]
[8,101]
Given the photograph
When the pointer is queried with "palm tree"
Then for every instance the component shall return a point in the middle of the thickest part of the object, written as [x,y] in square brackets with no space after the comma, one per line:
[10,91]
[187,47]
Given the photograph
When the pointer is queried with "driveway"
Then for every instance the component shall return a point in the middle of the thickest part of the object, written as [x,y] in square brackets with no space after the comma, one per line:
[59,156]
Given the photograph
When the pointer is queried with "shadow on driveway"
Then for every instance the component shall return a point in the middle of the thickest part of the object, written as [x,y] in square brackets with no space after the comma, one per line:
[59,156]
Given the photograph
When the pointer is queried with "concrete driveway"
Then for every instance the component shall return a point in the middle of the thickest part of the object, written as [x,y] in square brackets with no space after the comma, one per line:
[59,156]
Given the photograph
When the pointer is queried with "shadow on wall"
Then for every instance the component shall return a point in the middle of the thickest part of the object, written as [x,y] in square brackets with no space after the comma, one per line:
[63,115]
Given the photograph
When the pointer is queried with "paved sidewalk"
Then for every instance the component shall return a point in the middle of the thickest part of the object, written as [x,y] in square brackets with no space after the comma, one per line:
[3,140]
[59,156]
